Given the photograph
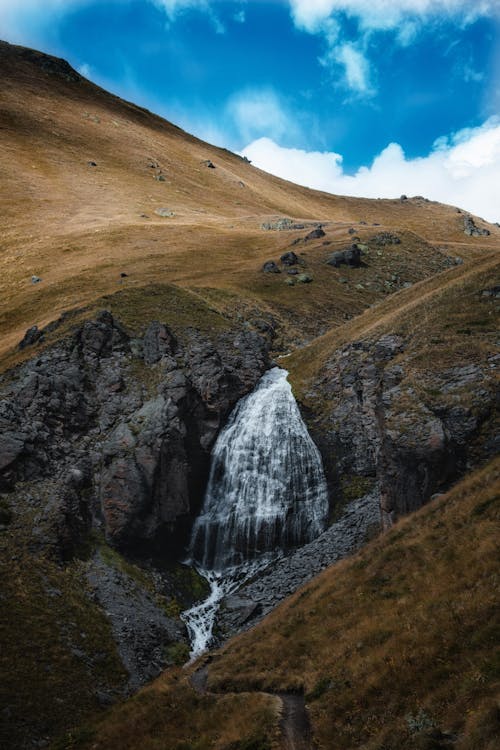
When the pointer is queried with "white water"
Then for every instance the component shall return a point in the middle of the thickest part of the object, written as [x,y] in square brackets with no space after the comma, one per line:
[266,493]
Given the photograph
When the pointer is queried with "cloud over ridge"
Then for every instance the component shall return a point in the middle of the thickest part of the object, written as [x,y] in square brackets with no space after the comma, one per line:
[460,170]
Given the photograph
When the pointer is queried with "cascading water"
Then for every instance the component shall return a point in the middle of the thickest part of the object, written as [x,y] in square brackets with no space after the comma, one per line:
[266,493]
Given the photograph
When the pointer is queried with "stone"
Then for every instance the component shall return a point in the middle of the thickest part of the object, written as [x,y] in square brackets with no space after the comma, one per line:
[350,257]
[386,238]
[270,267]
[32,336]
[91,164]
[280,225]
[35,279]
[289,258]
[304,278]
[165,213]
[316,234]
[158,341]
[208,163]
[471,230]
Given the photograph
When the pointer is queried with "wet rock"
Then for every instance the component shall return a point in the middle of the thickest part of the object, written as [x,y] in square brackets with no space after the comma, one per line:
[255,599]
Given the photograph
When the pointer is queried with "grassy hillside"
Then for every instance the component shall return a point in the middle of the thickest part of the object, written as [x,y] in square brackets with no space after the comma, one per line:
[394,648]
[79,226]
[113,207]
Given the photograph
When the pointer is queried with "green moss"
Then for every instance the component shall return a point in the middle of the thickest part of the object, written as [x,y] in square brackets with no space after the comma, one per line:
[188,584]
[113,558]
[177,653]
[355,486]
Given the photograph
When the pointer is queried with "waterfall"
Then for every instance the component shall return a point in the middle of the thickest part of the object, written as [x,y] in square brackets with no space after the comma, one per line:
[266,493]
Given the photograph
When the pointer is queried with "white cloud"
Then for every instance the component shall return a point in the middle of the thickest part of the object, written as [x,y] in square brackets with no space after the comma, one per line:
[256,112]
[386,14]
[356,67]
[404,18]
[20,21]
[173,8]
[26,21]
[240,16]
[461,170]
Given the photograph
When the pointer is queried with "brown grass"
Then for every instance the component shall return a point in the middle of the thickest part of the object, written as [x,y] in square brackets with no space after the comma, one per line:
[170,714]
[444,320]
[394,648]
[408,628]
[78,227]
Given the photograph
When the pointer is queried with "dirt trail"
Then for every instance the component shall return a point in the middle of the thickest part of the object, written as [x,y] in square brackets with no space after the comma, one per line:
[294,723]
[295,726]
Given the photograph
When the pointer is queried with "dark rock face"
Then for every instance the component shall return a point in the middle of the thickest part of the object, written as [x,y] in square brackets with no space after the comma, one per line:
[281,579]
[413,445]
[123,427]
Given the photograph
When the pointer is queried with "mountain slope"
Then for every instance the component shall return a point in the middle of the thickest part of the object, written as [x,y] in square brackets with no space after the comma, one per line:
[150,315]
[395,648]
[79,226]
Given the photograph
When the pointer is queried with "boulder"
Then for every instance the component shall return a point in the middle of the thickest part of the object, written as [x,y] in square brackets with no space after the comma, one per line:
[165,213]
[270,267]
[471,230]
[316,234]
[304,278]
[350,257]
[31,336]
[289,258]
[386,238]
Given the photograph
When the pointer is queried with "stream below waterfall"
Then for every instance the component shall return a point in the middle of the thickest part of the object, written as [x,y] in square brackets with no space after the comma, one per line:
[266,493]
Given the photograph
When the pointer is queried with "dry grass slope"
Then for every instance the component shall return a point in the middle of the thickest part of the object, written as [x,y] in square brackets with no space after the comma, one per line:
[78,226]
[394,648]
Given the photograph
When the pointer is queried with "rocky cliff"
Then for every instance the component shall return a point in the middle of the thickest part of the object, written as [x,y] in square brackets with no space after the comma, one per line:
[122,428]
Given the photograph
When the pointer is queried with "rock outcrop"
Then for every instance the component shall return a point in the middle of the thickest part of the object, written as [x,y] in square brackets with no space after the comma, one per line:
[123,427]
[412,439]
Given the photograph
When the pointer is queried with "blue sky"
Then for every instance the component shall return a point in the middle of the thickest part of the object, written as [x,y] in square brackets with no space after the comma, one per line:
[362,97]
